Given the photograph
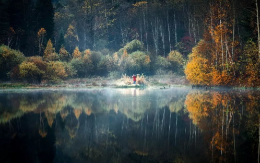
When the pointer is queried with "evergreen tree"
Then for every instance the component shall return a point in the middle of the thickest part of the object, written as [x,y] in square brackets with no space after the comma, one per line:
[4,21]
[61,40]
[44,13]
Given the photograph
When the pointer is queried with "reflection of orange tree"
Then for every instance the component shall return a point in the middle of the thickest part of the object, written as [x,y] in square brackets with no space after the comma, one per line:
[213,111]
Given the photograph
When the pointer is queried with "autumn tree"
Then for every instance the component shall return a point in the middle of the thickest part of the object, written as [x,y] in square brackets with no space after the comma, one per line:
[55,71]
[64,54]
[41,34]
[76,53]
[198,69]
[30,72]
[49,52]
[9,59]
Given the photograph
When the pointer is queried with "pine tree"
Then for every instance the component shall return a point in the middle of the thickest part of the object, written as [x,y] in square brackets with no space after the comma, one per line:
[61,40]
[4,21]
[44,16]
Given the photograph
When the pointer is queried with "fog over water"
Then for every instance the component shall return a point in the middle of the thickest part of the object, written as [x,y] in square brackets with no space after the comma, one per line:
[129,125]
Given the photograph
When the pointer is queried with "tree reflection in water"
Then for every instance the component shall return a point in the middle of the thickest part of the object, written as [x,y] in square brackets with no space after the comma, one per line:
[130,125]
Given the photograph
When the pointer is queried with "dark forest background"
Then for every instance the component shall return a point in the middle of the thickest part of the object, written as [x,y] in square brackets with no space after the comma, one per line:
[163,30]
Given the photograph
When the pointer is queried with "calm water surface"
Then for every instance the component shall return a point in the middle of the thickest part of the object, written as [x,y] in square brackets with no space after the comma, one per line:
[129,125]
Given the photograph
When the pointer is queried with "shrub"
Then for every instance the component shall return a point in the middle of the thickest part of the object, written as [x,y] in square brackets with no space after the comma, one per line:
[130,47]
[141,62]
[83,66]
[77,65]
[106,64]
[126,79]
[70,70]
[9,59]
[95,57]
[114,74]
[126,64]
[177,61]
[87,64]
[55,71]
[134,45]
[64,54]
[32,69]
[140,79]
[38,61]
[30,72]
[162,63]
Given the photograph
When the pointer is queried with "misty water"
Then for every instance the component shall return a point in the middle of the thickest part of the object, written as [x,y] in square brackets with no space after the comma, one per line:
[129,125]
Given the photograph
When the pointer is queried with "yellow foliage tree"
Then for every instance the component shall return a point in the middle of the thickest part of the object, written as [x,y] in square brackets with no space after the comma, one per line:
[28,70]
[55,71]
[198,71]
[76,53]
[49,52]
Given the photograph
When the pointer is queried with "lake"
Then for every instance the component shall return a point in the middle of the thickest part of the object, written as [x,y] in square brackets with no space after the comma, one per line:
[129,125]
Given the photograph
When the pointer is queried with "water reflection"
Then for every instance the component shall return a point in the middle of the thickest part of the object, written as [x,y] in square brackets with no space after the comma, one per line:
[129,125]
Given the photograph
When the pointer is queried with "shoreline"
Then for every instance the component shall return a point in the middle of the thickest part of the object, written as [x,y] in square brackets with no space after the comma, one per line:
[154,82]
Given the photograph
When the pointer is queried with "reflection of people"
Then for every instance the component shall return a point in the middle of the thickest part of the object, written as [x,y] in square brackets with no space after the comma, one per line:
[134,78]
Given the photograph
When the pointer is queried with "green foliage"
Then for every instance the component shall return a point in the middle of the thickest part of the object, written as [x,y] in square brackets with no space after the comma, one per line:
[126,64]
[82,67]
[64,54]
[114,75]
[77,65]
[106,65]
[251,66]
[141,62]
[30,72]
[134,45]
[177,61]
[87,64]
[70,70]
[95,58]
[56,71]
[162,63]
[9,59]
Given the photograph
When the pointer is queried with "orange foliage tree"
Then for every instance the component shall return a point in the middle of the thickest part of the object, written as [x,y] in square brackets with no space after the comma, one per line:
[198,68]
[215,55]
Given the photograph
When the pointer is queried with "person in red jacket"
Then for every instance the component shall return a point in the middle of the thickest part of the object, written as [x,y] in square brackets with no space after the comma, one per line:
[134,78]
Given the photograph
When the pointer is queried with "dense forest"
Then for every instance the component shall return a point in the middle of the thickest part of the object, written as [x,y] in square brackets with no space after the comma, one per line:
[212,42]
